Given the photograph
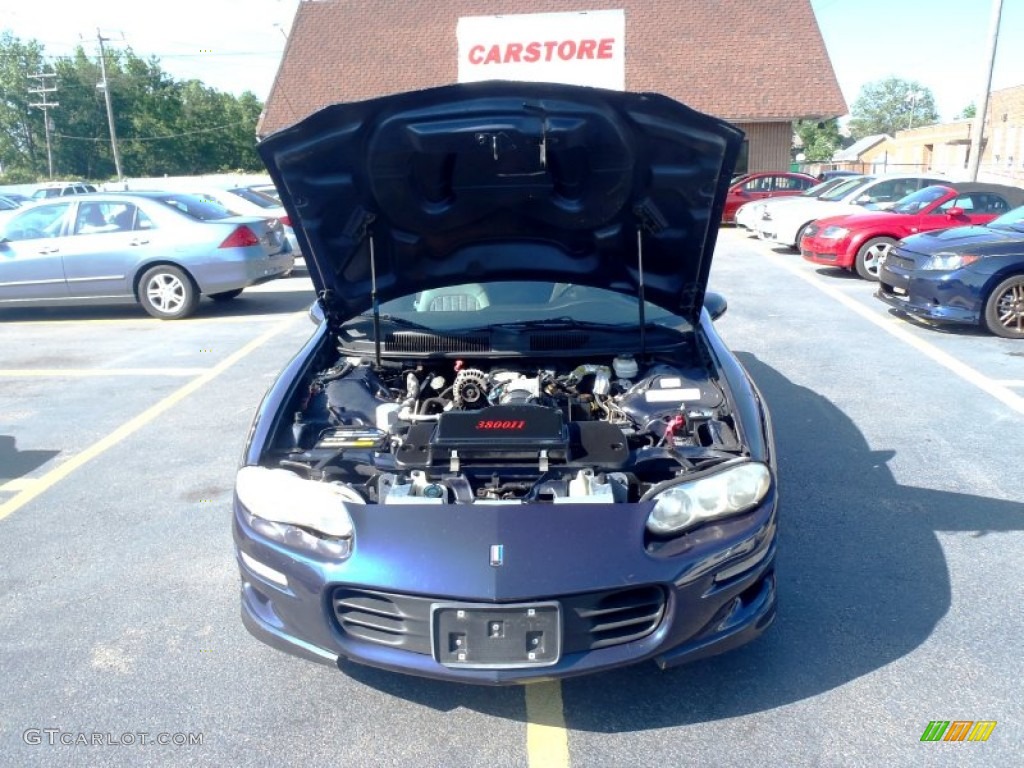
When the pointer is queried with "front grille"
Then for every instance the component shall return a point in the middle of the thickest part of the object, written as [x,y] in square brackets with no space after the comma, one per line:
[412,341]
[601,619]
[819,256]
[590,621]
[385,619]
[893,259]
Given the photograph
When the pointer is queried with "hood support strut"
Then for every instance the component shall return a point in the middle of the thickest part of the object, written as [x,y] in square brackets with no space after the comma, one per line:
[376,304]
[640,290]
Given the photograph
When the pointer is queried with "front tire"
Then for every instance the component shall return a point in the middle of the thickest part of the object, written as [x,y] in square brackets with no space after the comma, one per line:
[226,295]
[168,293]
[869,257]
[800,236]
[1004,310]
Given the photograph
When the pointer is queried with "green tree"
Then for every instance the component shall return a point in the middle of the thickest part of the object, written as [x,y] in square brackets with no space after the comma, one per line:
[22,132]
[891,105]
[967,112]
[164,126]
[820,138]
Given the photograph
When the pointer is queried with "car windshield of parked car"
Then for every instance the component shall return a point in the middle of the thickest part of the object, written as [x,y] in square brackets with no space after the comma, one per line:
[919,200]
[1013,220]
[845,187]
[195,207]
[523,303]
[254,197]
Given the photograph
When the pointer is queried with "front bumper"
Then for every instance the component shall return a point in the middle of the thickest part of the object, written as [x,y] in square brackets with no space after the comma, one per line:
[716,593]
[831,252]
[949,297]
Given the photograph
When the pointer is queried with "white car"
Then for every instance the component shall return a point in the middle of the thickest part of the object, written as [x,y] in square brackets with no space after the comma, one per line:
[786,225]
[748,214]
[246,201]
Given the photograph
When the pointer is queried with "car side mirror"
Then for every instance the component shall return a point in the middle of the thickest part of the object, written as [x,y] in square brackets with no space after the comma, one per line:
[316,312]
[715,304]
[954,212]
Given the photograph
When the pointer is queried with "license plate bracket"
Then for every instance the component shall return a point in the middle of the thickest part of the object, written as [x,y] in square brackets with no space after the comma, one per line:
[486,636]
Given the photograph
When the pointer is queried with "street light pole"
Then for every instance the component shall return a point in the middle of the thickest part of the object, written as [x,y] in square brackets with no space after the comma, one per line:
[110,109]
[979,115]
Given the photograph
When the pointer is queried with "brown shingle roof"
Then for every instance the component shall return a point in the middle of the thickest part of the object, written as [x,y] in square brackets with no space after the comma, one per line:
[743,60]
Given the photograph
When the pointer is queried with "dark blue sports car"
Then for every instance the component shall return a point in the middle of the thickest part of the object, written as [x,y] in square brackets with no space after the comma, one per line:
[515,448]
[972,275]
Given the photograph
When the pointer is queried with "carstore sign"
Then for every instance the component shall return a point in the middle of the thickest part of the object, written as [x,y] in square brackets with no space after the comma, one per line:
[585,48]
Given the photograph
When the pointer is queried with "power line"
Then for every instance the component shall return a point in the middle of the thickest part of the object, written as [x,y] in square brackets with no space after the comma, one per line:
[155,138]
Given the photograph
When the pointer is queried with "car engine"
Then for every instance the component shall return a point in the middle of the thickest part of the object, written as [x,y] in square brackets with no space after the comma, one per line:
[599,430]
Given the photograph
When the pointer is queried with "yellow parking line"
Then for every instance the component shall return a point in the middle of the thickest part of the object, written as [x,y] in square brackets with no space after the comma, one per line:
[895,327]
[15,373]
[547,742]
[57,474]
[17,484]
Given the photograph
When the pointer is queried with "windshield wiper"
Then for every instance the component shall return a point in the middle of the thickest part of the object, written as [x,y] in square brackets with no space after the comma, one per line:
[556,323]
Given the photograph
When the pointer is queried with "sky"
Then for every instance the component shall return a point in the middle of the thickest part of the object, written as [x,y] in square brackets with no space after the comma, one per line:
[235,45]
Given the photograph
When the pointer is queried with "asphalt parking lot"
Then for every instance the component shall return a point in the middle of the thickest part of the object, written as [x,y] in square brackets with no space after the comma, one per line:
[902,538]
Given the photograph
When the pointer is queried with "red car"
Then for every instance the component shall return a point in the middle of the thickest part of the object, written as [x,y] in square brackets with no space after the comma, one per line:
[858,241]
[757,186]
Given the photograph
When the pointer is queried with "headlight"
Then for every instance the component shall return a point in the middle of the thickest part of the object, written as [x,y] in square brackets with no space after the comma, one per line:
[690,503]
[833,233]
[304,514]
[945,261]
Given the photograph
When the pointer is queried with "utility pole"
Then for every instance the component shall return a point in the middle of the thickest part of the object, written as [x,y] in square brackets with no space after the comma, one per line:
[110,110]
[978,128]
[43,89]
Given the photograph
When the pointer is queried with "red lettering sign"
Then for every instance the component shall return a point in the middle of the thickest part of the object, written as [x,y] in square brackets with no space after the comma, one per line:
[509,424]
[549,50]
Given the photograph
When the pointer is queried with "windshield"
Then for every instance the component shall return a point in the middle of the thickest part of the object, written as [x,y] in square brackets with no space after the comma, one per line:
[917,201]
[845,187]
[522,303]
[819,189]
[193,206]
[256,198]
[1012,220]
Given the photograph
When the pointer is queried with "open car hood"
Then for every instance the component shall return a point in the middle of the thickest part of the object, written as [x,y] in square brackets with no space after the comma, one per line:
[491,181]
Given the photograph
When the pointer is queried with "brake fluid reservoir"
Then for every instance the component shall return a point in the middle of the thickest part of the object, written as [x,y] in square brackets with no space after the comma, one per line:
[625,367]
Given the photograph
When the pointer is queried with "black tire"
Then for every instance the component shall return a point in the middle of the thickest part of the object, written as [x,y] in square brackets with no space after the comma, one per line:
[800,235]
[226,295]
[1004,309]
[168,293]
[868,255]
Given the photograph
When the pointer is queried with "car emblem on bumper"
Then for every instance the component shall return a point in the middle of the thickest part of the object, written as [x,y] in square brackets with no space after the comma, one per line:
[497,555]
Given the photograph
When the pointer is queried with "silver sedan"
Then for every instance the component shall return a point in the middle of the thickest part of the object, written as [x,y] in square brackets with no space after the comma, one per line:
[163,250]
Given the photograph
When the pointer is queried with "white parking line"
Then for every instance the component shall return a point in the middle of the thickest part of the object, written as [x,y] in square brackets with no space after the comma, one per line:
[895,327]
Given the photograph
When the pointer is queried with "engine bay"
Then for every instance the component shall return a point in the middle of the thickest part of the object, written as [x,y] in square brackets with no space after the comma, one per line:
[593,430]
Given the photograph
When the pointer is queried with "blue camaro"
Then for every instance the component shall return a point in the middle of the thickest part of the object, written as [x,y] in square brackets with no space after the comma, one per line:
[515,448]
[972,275]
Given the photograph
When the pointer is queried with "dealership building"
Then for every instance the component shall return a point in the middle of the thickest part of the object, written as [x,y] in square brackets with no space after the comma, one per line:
[759,64]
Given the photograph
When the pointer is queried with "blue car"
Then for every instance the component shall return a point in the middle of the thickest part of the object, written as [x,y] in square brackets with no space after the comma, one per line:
[515,448]
[968,275]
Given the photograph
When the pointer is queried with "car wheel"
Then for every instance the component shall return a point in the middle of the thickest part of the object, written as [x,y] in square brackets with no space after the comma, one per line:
[800,235]
[1004,310]
[168,293]
[226,295]
[869,256]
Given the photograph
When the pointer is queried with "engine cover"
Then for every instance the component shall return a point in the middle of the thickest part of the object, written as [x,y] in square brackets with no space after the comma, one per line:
[502,432]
